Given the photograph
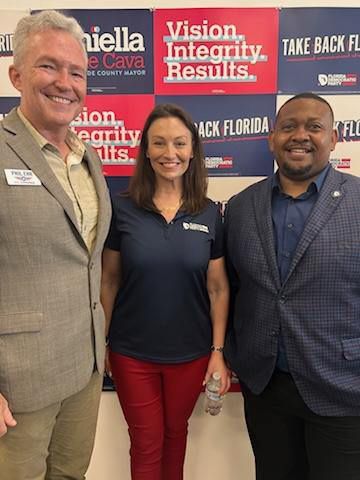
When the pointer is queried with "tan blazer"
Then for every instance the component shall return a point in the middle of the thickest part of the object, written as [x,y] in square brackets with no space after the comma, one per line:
[51,319]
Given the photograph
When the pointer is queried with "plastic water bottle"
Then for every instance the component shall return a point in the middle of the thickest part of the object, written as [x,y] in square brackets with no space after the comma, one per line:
[213,399]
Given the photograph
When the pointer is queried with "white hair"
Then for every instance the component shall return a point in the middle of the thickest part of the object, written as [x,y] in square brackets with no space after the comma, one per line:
[40,22]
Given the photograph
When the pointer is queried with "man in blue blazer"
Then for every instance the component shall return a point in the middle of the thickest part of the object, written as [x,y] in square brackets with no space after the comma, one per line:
[293,244]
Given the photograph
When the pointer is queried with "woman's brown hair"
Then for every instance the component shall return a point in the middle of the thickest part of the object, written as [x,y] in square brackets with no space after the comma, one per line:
[143,183]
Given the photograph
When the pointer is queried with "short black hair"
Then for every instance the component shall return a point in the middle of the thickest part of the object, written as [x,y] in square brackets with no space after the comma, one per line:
[307,95]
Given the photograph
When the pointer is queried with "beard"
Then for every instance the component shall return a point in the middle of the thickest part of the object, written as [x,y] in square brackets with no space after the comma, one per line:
[297,173]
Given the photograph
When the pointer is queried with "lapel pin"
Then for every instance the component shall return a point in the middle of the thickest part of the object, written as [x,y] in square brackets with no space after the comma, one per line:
[336,194]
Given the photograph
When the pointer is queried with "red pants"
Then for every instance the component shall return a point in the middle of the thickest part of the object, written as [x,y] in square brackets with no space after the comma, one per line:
[157,400]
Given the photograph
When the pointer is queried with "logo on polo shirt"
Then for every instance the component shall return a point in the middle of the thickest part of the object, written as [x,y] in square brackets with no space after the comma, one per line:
[195,226]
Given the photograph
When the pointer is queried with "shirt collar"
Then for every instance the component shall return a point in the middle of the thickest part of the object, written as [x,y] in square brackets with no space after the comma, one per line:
[317,183]
[73,141]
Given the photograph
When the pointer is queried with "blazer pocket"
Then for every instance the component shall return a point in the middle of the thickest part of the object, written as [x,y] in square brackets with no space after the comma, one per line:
[20,354]
[25,322]
[348,245]
[350,249]
[351,348]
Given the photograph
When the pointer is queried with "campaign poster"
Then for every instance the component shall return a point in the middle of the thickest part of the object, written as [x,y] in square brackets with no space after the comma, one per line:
[234,130]
[6,104]
[8,22]
[117,184]
[112,124]
[215,51]
[319,50]
[120,50]
[346,156]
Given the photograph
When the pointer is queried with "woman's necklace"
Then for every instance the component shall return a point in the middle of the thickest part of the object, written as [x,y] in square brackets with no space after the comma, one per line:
[168,208]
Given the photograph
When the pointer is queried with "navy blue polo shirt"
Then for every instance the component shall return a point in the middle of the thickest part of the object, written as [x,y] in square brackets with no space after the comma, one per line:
[162,310]
[289,216]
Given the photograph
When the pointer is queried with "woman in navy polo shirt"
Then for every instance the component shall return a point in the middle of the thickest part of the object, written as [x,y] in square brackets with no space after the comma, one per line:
[165,293]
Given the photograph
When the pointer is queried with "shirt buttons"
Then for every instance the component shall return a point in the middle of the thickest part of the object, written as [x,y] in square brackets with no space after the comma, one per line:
[290,225]
[274,333]
[94,305]
[282,299]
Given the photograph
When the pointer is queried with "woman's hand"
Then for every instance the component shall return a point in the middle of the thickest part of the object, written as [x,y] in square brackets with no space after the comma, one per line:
[217,364]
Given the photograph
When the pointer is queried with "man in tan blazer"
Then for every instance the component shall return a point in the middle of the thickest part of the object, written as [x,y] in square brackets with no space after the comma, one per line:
[54,218]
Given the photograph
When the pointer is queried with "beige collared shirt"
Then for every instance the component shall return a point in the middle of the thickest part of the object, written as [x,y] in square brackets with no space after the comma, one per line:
[74,177]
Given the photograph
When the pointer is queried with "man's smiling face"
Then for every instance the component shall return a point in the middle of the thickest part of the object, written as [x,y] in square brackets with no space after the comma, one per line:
[51,78]
[303,138]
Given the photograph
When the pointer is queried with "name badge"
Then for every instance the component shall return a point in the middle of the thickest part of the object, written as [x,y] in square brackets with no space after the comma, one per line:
[21,177]
[195,226]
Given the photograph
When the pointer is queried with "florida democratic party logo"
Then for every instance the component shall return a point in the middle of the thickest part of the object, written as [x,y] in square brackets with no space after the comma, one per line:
[337,79]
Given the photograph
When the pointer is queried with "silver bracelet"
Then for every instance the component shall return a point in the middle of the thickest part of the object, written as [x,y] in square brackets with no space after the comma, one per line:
[214,348]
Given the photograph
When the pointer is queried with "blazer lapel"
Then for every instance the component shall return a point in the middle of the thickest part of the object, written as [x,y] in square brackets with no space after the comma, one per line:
[330,197]
[28,150]
[262,211]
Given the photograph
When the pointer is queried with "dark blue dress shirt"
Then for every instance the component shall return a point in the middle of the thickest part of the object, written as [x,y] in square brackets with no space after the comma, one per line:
[289,217]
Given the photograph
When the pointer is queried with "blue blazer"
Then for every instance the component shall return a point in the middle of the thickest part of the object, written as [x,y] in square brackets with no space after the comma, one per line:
[318,305]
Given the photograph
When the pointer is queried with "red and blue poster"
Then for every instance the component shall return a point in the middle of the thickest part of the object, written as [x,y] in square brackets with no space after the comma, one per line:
[117,184]
[234,130]
[8,21]
[215,51]
[346,156]
[319,50]
[120,50]
[112,124]
[6,104]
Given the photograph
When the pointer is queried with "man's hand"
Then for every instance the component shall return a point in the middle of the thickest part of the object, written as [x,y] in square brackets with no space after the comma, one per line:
[6,418]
